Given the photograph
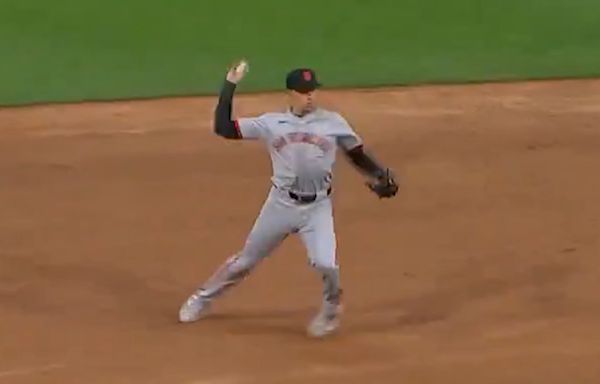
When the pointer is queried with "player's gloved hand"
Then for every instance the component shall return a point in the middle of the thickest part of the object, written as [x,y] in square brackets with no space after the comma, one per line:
[384,186]
[237,72]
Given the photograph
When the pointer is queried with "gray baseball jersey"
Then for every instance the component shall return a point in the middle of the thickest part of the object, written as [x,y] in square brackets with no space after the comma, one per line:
[302,149]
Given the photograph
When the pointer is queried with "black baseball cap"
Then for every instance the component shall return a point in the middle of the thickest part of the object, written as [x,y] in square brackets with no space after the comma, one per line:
[302,80]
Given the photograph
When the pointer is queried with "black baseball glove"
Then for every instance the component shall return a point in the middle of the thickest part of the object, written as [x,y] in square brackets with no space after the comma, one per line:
[384,186]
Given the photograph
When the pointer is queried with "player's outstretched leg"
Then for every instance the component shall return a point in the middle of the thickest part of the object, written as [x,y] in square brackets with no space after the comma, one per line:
[270,228]
[234,270]
[319,239]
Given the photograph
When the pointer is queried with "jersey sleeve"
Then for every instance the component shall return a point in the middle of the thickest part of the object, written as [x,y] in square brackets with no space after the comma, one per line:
[346,137]
[252,128]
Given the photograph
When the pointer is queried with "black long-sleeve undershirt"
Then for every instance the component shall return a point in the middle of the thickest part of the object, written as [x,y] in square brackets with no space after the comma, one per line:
[223,125]
[365,162]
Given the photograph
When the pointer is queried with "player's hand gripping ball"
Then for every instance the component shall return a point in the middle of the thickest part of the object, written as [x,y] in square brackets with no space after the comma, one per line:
[385,186]
[237,72]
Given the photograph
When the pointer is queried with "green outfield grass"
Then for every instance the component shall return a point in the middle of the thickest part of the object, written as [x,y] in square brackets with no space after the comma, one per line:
[64,50]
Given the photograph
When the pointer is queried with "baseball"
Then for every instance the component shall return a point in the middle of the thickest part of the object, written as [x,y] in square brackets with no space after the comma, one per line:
[242,67]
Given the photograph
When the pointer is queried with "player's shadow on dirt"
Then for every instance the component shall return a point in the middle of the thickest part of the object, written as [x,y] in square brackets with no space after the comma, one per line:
[263,322]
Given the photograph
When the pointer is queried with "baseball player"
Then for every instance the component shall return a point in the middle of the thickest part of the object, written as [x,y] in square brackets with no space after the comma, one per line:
[302,142]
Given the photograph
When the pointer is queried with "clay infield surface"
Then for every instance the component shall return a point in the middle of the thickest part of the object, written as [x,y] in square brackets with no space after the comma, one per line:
[485,268]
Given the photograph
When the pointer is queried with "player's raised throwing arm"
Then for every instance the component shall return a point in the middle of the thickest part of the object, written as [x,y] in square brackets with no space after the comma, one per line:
[223,124]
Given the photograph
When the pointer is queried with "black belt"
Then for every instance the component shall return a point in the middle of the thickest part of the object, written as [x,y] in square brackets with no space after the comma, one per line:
[306,198]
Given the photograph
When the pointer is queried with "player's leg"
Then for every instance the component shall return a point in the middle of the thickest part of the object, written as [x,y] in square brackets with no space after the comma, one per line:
[271,227]
[318,236]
